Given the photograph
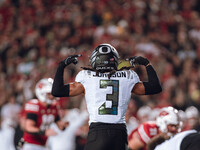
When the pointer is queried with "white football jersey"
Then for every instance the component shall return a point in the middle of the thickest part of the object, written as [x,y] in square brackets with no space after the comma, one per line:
[174,143]
[107,99]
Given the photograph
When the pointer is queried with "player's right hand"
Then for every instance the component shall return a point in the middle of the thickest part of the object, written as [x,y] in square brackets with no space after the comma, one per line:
[71,59]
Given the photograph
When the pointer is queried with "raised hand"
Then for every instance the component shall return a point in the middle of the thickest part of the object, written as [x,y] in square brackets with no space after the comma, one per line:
[71,59]
[138,60]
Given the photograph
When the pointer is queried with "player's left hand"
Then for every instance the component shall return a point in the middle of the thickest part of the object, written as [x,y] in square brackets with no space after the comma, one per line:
[138,60]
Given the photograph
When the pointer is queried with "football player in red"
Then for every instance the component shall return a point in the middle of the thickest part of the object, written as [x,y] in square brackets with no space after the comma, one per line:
[166,123]
[107,92]
[40,113]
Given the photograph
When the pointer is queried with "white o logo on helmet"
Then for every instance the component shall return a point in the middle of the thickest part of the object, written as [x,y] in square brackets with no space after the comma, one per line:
[104,50]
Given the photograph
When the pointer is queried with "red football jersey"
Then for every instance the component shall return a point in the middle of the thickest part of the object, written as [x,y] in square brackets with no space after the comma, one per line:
[45,116]
[146,131]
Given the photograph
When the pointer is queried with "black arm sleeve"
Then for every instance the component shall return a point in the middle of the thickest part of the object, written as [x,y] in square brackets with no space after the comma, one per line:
[60,89]
[153,85]
[32,116]
[37,133]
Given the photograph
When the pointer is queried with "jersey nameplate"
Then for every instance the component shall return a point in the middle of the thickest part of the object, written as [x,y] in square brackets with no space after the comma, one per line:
[117,74]
[32,107]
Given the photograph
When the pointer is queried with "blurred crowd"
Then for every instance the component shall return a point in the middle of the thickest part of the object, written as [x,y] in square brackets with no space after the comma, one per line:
[36,34]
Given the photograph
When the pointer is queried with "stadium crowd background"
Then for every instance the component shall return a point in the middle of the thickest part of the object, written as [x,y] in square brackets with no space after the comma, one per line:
[36,34]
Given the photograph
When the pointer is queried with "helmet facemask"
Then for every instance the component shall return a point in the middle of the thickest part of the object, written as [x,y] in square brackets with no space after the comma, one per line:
[104,58]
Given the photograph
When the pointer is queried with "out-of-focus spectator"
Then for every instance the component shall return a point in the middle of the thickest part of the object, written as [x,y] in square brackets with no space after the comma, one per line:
[7,134]
[131,120]
[11,111]
[153,114]
[183,119]
[192,116]
[66,130]
[19,130]
[143,114]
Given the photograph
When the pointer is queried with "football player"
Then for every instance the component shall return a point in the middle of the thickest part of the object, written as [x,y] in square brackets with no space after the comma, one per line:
[107,92]
[40,113]
[167,123]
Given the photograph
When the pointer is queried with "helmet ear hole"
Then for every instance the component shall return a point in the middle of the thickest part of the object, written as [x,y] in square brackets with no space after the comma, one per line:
[104,58]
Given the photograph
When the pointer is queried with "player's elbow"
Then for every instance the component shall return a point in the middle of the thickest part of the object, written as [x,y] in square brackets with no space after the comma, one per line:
[60,91]
[54,93]
[158,89]
[151,89]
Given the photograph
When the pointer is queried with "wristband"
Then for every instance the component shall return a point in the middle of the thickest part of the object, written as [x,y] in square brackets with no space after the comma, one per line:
[41,132]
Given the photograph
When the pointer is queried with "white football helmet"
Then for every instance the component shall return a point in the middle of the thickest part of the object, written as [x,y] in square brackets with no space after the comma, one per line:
[167,116]
[43,87]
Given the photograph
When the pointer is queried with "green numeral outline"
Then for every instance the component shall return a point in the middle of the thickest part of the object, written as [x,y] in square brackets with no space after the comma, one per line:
[114,97]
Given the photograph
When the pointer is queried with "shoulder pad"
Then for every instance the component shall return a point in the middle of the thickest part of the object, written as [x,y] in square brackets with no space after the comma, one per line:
[33,101]
[32,105]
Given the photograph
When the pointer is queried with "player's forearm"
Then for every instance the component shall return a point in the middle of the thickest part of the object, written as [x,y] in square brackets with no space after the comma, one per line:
[155,141]
[37,133]
[153,85]
[135,143]
[60,89]
[33,130]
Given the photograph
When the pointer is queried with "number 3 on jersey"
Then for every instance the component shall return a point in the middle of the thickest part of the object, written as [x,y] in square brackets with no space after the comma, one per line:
[110,106]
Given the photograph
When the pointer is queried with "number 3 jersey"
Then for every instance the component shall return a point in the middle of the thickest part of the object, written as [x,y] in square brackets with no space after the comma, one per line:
[43,116]
[107,99]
